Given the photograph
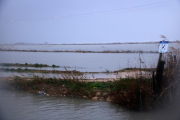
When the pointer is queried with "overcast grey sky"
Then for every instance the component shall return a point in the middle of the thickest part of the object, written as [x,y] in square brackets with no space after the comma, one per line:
[88,21]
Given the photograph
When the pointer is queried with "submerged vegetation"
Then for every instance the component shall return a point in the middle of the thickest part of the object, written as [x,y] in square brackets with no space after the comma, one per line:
[70,71]
[26,65]
[37,71]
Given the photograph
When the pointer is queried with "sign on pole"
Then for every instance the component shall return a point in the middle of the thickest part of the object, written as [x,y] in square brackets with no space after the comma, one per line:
[163,47]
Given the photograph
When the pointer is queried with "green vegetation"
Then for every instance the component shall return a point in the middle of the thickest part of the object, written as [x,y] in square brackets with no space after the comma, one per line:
[122,91]
[54,65]
[5,64]
[38,65]
[41,71]
[75,84]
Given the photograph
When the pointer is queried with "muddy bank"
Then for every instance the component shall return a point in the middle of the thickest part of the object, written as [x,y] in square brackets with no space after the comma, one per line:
[48,88]
[122,92]
[7,65]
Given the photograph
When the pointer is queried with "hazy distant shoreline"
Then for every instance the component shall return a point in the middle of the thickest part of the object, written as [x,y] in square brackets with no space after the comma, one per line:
[84,51]
[22,43]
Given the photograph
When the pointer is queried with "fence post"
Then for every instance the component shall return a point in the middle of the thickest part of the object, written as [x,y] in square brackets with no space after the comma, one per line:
[138,95]
[154,83]
[174,58]
[159,76]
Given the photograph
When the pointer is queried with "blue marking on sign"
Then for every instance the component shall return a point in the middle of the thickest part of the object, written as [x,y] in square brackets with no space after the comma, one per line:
[163,47]
[164,42]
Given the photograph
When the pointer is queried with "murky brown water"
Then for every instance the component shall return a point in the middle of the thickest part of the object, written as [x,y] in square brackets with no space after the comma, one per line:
[18,105]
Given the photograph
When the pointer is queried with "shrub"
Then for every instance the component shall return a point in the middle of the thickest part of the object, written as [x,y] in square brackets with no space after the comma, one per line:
[53,65]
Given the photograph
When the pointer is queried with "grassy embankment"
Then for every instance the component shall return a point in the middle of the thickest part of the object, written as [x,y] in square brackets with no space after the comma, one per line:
[122,91]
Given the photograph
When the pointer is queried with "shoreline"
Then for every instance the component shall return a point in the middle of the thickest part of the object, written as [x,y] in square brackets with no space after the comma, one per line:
[81,51]
[124,73]
[101,89]
[113,43]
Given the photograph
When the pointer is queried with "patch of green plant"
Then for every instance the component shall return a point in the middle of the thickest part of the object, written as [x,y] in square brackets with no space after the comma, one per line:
[90,92]
[6,69]
[35,87]
[98,85]
[17,78]
[53,65]
[5,64]
[53,81]
[19,69]
[124,83]
[26,64]
[12,69]
[128,69]
[107,71]
[38,65]
[26,69]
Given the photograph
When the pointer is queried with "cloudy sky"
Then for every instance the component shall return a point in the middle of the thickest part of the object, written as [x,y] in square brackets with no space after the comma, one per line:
[88,21]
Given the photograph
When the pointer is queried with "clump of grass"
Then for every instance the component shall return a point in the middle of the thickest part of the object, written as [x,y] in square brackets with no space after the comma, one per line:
[54,65]
[17,78]
[12,69]
[19,69]
[37,65]
[127,91]
[6,69]
[5,64]
[26,69]
[107,71]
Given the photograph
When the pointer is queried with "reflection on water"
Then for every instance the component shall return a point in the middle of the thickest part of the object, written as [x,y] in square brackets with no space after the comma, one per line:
[18,105]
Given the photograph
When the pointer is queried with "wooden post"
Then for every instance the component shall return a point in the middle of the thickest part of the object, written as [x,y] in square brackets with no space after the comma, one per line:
[154,83]
[138,99]
[159,77]
[174,58]
[160,56]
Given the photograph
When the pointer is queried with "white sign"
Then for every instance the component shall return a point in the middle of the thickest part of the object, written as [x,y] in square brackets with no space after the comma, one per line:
[163,47]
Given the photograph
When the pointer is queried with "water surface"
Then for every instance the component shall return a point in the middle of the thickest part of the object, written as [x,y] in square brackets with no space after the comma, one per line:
[18,105]
[84,62]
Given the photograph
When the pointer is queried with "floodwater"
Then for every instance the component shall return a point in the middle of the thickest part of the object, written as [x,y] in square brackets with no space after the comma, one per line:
[84,62]
[113,47]
[18,105]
